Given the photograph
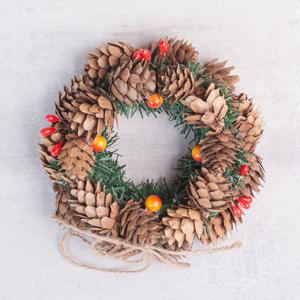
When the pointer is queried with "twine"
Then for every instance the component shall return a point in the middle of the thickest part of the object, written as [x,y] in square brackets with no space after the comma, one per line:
[136,257]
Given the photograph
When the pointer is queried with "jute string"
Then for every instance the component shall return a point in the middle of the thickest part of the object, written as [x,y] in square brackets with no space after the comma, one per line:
[136,257]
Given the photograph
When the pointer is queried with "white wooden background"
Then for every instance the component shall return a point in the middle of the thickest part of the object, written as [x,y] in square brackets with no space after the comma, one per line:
[44,43]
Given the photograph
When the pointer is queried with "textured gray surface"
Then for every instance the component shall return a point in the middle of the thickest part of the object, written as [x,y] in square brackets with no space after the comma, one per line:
[44,43]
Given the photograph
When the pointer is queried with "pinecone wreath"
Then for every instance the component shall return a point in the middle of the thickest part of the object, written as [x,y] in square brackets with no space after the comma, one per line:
[215,182]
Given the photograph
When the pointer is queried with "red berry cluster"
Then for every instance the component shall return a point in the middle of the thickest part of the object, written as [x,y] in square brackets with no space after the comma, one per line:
[142,54]
[145,54]
[51,130]
[243,201]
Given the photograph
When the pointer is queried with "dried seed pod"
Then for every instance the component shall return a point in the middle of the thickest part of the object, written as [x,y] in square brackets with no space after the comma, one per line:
[86,110]
[218,150]
[133,81]
[208,112]
[139,225]
[76,157]
[218,227]
[181,225]
[220,73]
[210,192]
[253,179]
[95,208]
[177,83]
[106,58]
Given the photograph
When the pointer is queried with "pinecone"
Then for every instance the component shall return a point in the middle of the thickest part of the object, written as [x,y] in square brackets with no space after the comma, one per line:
[209,192]
[133,81]
[175,83]
[46,145]
[87,111]
[242,104]
[249,123]
[208,112]
[180,52]
[63,208]
[220,73]
[138,225]
[218,150]
[253,180]
[76,157]
[181,225]
[96,210]
[218,227]
[107,57]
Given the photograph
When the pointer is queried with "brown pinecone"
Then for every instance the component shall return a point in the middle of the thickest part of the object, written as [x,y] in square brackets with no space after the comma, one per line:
[218,150]
[253,180]
[76,157]
[46,145]
[242,104]
[181,225]
[86,110]
[63,208]
[249,123]
[209,192]
[220,73]
[180,52]
[138,225]
[96,210]
[218,227]
[176,83]
[208,112]
[107,57]
[133,81]
[250,130]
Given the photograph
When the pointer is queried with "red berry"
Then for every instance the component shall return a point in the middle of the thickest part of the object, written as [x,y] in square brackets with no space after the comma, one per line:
[244,170]
[245,205]
[236,210]
[146,54]
[48,131]
[52,118]
[137,55]
[163,46]
[245,199]
[56,149]
[155,101]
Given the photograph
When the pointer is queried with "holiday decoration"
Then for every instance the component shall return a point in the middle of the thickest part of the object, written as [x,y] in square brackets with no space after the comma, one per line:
[196,153]
[163,47]
[56,149]
[215,182]
[99,143]
[48,131]
[146,54]
[244,170]
[137,55]
[155,101]
[52,118]
[153,203]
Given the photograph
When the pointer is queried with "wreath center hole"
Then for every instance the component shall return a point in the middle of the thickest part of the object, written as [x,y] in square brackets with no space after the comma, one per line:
[150,147]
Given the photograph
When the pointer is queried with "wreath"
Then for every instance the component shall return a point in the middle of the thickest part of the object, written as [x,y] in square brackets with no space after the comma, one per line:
[215,181]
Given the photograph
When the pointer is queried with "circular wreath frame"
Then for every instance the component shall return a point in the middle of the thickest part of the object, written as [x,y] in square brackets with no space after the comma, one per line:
[96,201]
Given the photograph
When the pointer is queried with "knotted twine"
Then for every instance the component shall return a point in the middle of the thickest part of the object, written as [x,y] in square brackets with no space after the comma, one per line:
[136,257]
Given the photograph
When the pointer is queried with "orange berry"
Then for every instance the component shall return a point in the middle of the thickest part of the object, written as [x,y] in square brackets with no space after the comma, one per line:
[196,153]
[99,143]
[153,203]
[155,101]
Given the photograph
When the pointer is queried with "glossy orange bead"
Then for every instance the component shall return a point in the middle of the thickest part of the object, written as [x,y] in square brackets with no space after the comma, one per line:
[153,203]
[99,143]
[196,153]
[155,101]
